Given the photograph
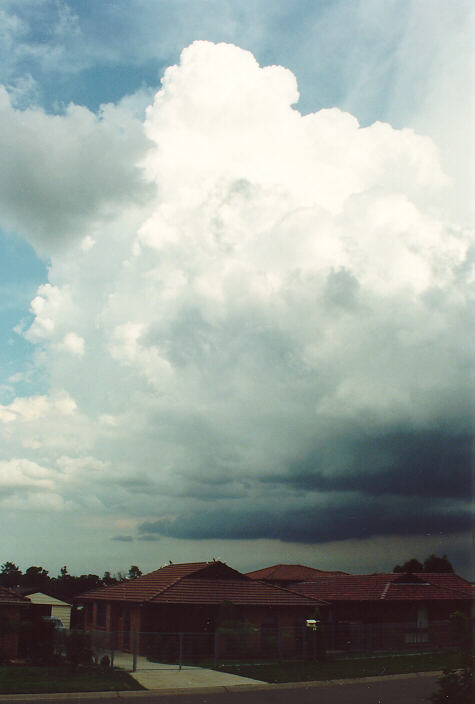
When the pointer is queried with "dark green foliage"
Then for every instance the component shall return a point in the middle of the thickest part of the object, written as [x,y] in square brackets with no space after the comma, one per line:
[431,564]
[65,586]
[464,635]
[437,564]
[409,566]
[10,575]
[37,639]
[36,578]
[108,580]
[78,649]
[134,572]
[455,687]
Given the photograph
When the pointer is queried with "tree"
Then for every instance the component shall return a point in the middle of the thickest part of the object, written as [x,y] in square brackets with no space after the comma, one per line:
[455,687]
[437,564]
[409,566]
[134,572]
[36,578]
[108,580]
[431,564]
[10,575]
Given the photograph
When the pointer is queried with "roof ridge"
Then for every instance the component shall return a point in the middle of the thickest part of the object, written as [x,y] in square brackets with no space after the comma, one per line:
[287,590]
[180,577]
[164,589]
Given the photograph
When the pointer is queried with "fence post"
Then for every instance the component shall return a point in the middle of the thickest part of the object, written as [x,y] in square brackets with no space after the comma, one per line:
[112,644]
[216,647]
[134,652]
[180,656]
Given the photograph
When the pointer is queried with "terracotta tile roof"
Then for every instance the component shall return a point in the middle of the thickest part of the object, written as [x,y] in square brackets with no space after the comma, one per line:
[198,583]
[8,597]
[289,573]
[215,591]
[388,586]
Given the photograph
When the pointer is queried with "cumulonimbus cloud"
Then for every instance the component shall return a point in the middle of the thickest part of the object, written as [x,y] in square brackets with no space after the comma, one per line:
[279,316]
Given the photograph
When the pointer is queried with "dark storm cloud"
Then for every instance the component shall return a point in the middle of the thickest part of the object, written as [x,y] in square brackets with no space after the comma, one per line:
[403,482]
[428,464]
[338,519]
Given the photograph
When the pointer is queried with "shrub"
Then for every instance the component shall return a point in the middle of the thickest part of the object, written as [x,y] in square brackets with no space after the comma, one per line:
[37,639]
[454,688]
[105,662]
[78,649]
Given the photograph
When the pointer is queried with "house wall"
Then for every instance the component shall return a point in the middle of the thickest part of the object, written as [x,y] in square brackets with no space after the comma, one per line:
[119,619]
[395,611]
[175,618]
[123,619]
[63,613]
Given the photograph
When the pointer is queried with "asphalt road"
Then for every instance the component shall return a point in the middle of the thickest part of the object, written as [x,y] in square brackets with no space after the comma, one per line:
[406,690]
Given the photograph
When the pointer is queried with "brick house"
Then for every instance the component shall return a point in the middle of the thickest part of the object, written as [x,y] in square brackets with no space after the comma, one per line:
[391,597]
[399,609]
[191,598]
[11,608]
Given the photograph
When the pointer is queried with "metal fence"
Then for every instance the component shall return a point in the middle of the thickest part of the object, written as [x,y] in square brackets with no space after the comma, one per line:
[177,650]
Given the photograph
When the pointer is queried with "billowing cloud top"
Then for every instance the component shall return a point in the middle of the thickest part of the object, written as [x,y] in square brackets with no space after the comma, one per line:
[255,320]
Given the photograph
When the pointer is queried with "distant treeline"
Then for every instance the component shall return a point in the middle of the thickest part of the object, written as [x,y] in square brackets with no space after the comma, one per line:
[64,586]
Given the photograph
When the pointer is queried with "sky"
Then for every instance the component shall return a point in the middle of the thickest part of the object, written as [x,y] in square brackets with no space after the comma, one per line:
[236,264]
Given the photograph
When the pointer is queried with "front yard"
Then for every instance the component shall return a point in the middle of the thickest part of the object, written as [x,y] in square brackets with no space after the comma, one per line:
[19,679]
[344,669]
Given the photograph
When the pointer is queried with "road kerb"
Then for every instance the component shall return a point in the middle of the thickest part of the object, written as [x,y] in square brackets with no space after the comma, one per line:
[143,694]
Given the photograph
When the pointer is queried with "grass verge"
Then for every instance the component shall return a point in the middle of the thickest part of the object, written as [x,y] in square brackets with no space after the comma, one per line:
[343,669]
[19,679]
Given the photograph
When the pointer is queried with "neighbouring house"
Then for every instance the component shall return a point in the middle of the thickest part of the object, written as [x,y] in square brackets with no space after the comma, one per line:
[47,605]
[287,575]
[11,608]
[416,607]
[191,598]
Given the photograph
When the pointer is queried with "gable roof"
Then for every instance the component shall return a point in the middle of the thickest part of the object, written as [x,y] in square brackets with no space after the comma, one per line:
[388,587]
[289,573]
[37,597]
[9,598]
[198,583]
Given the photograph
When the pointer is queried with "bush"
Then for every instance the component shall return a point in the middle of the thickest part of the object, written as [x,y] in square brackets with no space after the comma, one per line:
[78,649]
[105,662]
[454,688]
[37,639]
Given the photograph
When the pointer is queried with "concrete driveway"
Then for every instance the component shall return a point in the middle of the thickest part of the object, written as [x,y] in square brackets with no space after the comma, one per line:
[153,675]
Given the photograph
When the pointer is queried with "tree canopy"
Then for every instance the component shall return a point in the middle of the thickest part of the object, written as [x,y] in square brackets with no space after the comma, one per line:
[430,564]
[65,585]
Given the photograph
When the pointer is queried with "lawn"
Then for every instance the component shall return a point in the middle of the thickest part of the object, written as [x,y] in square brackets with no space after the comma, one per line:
[343,669]
[20,679]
